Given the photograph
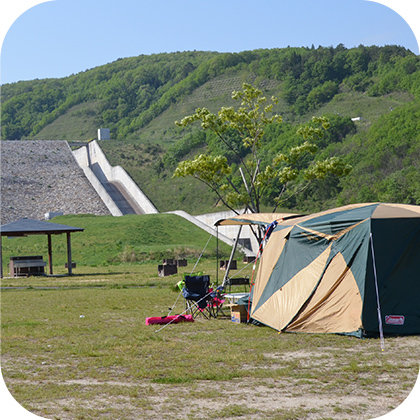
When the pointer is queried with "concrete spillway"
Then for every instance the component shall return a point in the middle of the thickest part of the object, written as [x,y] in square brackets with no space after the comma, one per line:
[116,188]
[121,198]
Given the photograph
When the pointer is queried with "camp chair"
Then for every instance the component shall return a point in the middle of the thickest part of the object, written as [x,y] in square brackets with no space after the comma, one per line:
[199,298]
[217,302]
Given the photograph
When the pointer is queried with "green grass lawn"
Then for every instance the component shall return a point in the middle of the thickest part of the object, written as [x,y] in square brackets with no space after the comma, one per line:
[110,241]
[84,352]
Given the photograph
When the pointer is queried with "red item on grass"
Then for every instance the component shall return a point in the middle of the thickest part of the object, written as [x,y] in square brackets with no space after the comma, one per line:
[173,319]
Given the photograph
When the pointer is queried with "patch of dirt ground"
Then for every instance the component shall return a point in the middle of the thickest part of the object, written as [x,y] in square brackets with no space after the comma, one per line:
[324,388]
[247,399]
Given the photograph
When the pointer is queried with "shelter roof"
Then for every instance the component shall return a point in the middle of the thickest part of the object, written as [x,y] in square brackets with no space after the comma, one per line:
[24,227]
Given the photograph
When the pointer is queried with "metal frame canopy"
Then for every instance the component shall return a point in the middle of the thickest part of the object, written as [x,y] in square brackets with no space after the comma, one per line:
[259,219]
[263,219]
[26,227]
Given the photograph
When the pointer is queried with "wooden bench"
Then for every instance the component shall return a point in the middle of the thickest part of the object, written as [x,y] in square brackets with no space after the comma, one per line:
[224,264]
[170,266]
[238,281]
[27,266]
[178,263]
[73,265]
[167,270]
[181,263]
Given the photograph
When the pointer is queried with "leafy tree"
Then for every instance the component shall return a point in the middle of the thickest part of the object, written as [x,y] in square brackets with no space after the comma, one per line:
[290,172]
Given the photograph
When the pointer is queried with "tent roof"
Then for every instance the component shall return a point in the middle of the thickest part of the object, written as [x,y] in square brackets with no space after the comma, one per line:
[359,212]
[392,211]
[255,219]
[24,227]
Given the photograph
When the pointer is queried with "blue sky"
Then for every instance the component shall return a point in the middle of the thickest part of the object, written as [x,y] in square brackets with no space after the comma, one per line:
[62,37]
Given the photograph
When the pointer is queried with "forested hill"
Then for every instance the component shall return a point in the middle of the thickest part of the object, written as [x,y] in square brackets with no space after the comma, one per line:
[129,93]
[139,99]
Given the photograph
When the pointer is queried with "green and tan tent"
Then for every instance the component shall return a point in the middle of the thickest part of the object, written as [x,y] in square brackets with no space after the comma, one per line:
[352,270]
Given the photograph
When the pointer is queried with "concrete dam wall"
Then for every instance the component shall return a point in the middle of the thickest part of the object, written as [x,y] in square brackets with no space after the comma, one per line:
[41,176]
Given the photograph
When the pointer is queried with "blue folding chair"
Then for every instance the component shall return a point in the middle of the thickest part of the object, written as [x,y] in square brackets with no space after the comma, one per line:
[198,296]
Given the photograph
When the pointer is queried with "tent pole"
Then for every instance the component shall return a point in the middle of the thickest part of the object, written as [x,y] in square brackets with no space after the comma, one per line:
[235,244]
[217,255]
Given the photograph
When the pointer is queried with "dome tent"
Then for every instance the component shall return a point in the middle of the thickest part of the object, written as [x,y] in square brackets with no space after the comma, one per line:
[335,271]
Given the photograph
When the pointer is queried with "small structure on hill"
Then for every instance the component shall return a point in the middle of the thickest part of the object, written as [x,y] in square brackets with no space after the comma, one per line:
[51,214]
[104,134]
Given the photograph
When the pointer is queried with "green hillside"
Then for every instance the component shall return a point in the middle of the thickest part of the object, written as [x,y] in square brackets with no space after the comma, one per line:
[139,99]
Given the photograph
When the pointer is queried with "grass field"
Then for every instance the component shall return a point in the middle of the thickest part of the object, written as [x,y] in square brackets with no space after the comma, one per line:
[110,241]
[78,348]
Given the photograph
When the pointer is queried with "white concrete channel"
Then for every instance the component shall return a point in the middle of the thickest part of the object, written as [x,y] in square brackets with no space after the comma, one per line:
[116,188]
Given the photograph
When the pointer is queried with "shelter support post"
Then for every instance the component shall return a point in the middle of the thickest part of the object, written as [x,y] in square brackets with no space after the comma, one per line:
[235,244]
[1,260]
[69,254]
[50,264]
